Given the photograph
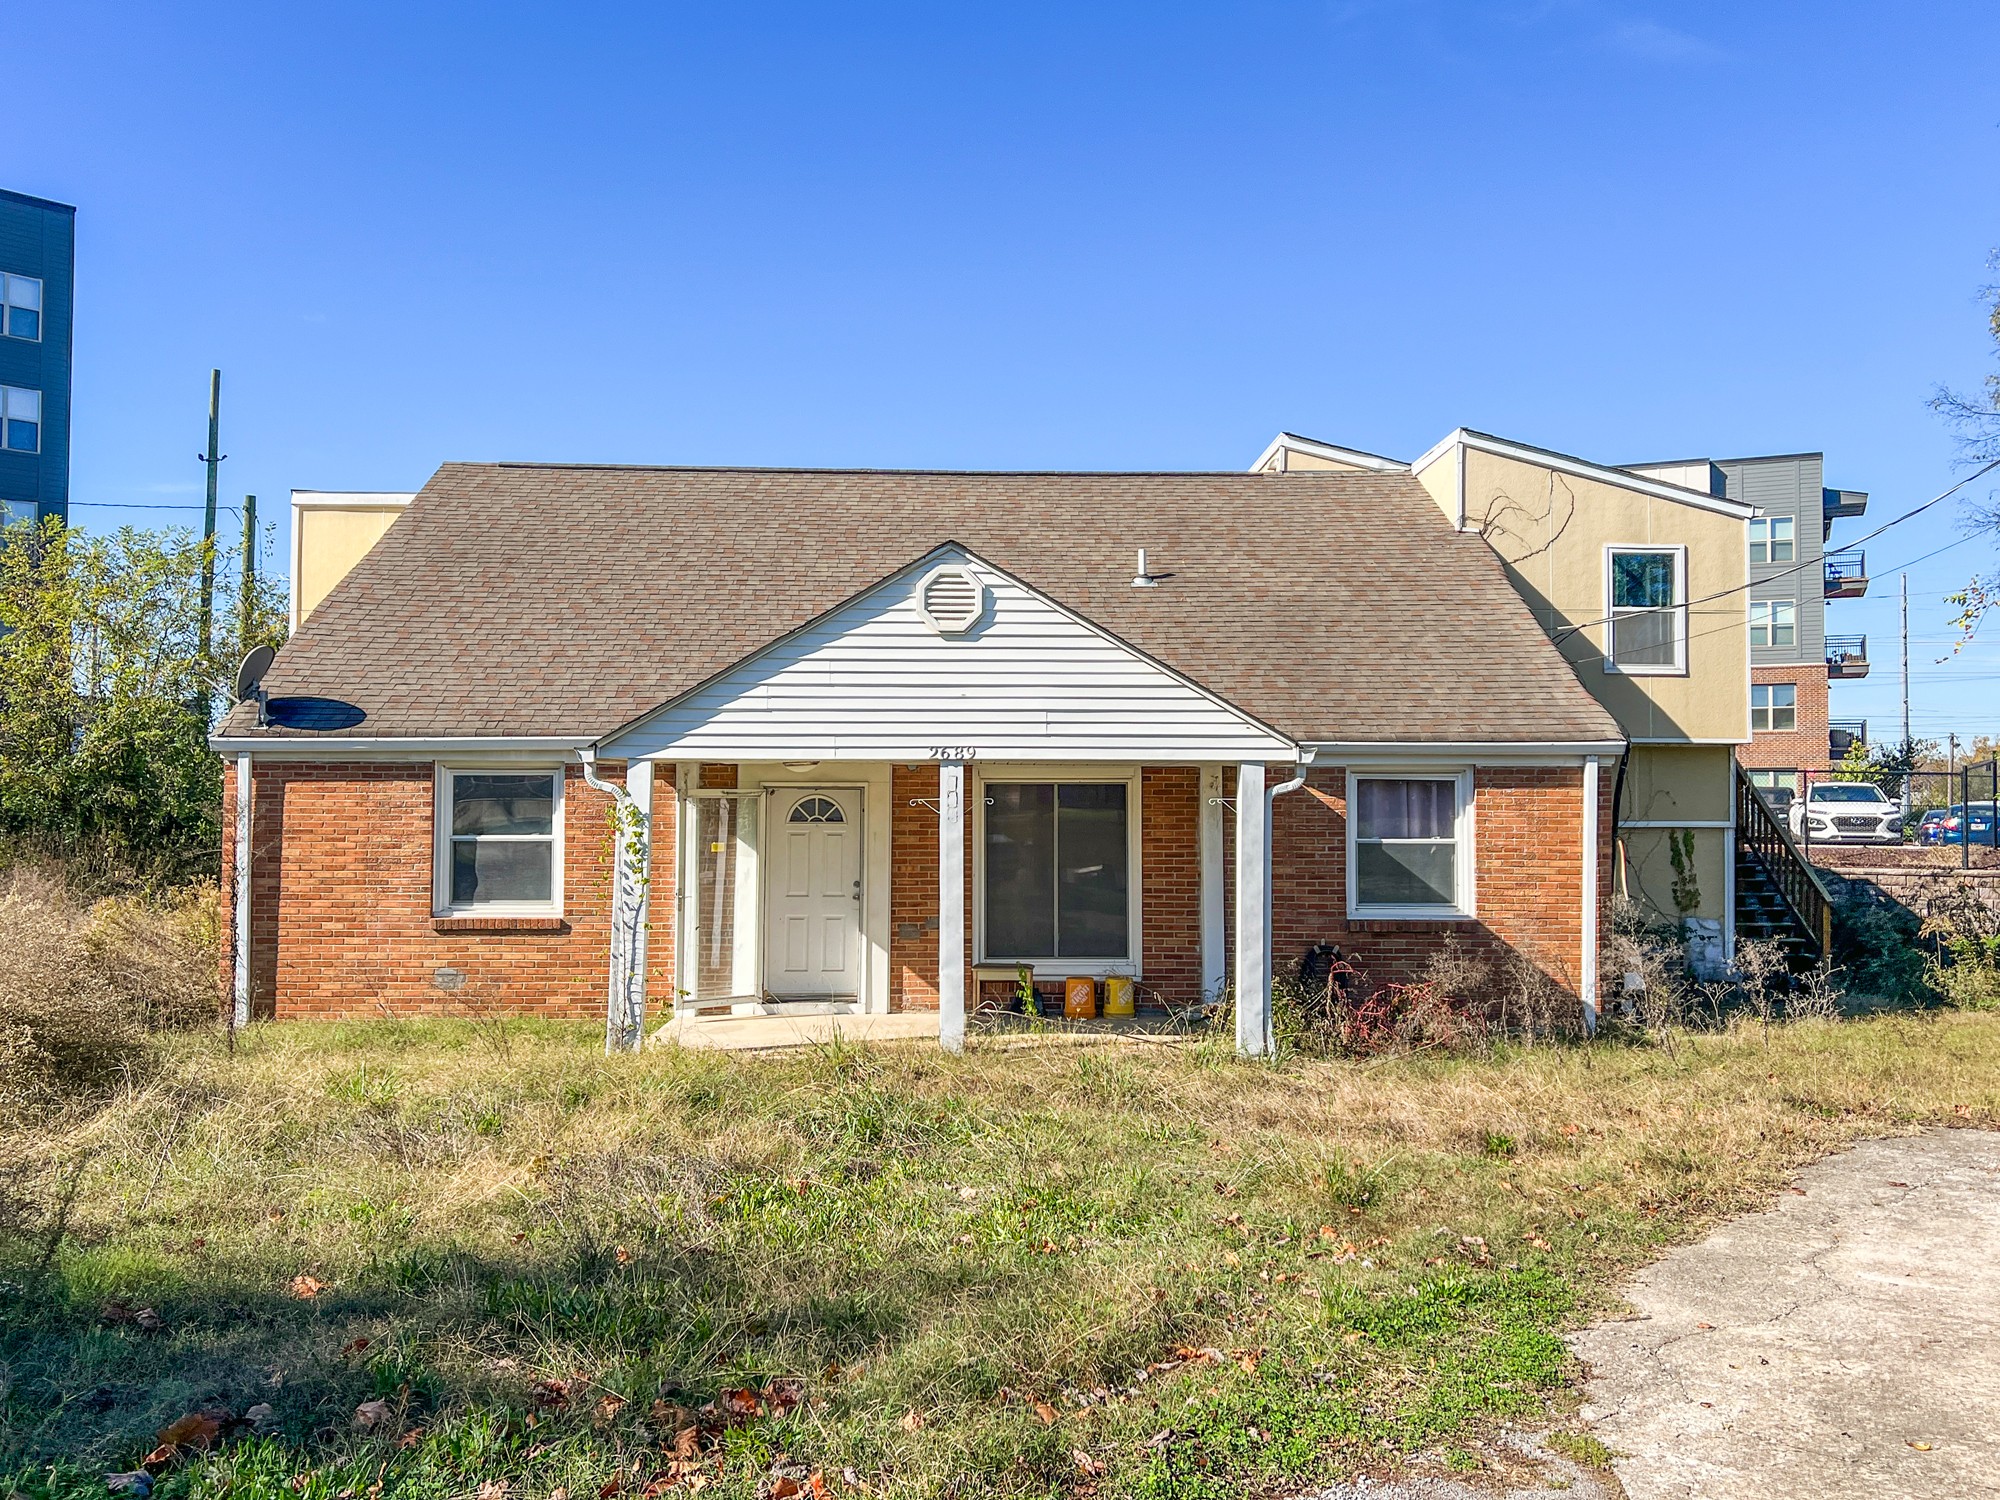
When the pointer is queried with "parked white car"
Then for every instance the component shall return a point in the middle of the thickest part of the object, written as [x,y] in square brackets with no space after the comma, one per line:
[1846,812]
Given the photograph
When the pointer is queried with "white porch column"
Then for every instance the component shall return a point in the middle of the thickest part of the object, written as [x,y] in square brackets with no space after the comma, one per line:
[240,1010]
[1589,956]
[639,786]
[1253,913]
[1214,919]
[951,906]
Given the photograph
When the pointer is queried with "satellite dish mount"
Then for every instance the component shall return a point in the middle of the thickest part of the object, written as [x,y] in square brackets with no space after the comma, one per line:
[250,681]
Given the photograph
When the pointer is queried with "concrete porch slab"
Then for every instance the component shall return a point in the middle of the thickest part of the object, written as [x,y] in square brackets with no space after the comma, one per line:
[765,1033]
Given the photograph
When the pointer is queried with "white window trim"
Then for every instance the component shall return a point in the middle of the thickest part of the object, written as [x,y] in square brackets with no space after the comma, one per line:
[1770,541]
[41,411]
[1679,667]
[1464,866]
[1770,608]
[441,839]
[1062,968]
[40,308]
[1771,708]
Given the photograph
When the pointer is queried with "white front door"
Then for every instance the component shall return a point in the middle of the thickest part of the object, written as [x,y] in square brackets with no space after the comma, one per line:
[812,903]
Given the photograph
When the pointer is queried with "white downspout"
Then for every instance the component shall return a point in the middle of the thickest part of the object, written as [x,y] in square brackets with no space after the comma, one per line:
[1589,914]
[625,1009]
[1254,1037]
[240,1001]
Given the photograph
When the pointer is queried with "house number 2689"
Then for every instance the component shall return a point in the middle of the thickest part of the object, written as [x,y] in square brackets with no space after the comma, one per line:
[954,752]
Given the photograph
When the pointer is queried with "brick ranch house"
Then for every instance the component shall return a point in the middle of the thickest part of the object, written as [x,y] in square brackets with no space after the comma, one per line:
[586,740]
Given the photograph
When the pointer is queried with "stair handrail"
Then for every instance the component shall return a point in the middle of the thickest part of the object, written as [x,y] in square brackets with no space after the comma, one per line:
[1765,834]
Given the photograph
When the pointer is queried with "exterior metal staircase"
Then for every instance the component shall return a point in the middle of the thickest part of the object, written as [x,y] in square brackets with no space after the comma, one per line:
[1779,895]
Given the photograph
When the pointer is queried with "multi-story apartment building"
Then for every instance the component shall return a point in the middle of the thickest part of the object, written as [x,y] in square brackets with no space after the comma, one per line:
[37,286]
[1793,573]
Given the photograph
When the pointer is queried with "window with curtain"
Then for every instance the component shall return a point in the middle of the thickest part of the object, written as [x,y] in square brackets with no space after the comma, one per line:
[1405,843]
[1057,869]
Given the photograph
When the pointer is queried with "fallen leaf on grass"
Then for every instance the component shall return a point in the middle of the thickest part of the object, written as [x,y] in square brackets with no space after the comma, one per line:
[306,1287]
[911,1420]
[353,1346]
[370,1415]
[623,1256]
[1921,1447]
[1085,1463]
[1046,1412]
[493,1489]
[197,1430]
[739,1405]
[550,1394]
[608,1407]
[784,1393]
[262,1419]
[132,1482]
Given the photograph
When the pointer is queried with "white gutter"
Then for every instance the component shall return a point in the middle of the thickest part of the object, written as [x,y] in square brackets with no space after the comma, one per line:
[631,845]
[348,746]
[1333,749]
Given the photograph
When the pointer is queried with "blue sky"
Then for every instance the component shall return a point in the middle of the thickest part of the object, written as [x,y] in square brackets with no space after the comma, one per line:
[1072,235]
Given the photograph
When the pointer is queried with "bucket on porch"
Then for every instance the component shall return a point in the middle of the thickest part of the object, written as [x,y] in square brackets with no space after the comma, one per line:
[1118,995]
[1079,999]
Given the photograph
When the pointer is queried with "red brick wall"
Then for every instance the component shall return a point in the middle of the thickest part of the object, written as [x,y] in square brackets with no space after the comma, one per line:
[1169,872]
[1804,748]
[341,902]
[1528,843]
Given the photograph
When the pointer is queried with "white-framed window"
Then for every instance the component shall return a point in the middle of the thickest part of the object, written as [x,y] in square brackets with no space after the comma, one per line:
[1056,878]
[1773,539]
[1774,707]
[20,307]
[1409,845]
[1774,622]
[499,841]
[1645,594]
[20,419]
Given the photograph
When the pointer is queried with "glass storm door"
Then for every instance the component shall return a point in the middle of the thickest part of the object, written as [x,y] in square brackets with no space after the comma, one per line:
[812,903]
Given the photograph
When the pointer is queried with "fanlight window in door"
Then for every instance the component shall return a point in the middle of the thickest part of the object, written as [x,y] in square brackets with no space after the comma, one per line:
[818,810]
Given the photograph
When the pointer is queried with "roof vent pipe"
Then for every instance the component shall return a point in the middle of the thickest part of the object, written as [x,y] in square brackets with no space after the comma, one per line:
[1142,579]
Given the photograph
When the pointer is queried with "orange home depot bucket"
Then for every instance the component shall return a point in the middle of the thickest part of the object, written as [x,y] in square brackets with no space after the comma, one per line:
[1118,995]
[1079,999]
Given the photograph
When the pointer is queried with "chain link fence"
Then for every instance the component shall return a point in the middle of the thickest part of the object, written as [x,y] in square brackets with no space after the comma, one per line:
[1955,811]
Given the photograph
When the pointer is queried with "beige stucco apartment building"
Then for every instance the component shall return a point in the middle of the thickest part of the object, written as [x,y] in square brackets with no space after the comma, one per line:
[1642,584]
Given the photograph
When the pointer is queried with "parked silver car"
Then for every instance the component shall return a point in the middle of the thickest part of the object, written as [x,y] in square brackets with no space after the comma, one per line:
[1846,812]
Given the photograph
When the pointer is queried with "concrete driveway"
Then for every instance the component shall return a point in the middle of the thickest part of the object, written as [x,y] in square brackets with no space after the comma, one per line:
[1845,1342]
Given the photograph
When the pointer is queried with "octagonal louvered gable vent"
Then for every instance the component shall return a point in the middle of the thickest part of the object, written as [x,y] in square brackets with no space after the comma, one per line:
[951,600]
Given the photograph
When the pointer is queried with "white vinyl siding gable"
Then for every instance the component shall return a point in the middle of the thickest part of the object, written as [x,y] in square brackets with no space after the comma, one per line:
[875,681]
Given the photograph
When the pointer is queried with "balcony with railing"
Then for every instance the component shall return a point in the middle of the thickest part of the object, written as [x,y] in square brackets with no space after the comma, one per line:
[1843,735]
[1846,656]
[1846,574]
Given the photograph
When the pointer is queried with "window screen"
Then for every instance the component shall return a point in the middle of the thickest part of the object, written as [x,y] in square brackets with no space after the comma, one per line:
[1645,609]
[1405,842]
[1057,870]
[502,838]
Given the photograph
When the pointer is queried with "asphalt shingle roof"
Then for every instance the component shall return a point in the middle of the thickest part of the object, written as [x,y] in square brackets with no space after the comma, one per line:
[528,599]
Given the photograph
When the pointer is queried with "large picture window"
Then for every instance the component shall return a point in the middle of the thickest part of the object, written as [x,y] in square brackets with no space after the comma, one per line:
[1056,865]
[1647,612]
[1408,851]
[499,838]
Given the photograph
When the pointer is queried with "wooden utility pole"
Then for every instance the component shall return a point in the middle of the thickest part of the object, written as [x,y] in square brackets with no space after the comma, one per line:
[213,458]
[246,598]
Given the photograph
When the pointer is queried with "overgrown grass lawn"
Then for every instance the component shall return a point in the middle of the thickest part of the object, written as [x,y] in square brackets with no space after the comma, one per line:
[443,1259]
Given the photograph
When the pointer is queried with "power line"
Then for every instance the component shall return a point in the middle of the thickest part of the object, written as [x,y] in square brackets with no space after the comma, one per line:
[1741,588]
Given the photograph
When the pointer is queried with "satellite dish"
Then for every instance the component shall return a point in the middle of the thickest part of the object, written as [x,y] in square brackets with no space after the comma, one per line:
[251,674]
